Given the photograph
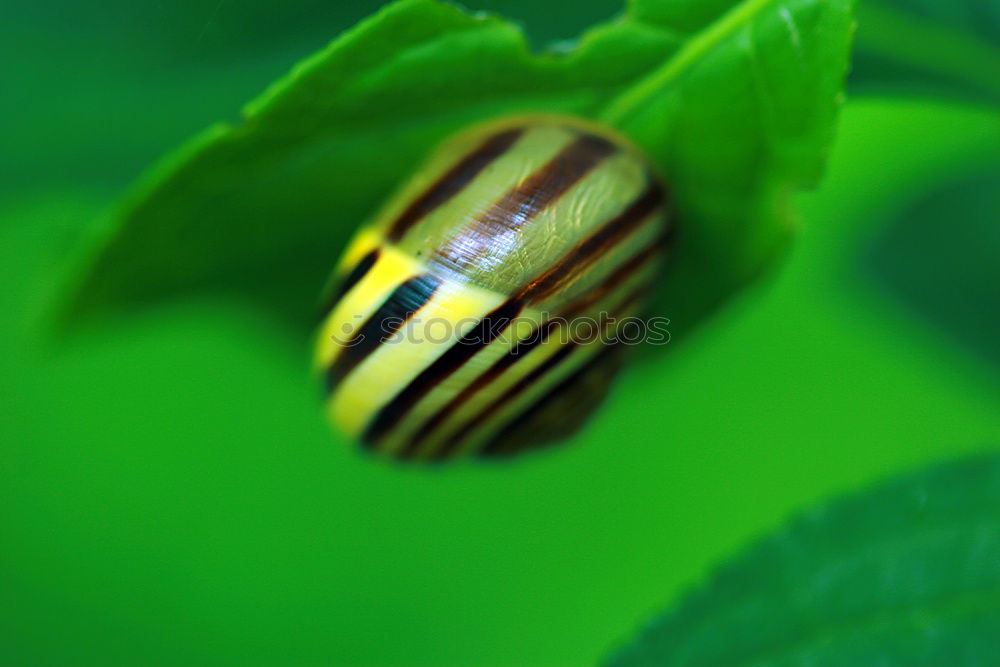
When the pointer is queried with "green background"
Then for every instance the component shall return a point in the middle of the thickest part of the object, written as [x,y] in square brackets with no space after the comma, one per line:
[171,493]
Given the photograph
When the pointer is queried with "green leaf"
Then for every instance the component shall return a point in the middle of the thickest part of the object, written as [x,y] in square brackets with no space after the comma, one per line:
[736,101]
[929,46]
[740,118]
[903,574]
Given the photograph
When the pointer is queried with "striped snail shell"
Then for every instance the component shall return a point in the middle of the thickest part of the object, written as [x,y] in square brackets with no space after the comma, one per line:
[457,328]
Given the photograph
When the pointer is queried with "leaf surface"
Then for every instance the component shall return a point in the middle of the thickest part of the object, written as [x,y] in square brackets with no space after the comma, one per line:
[905,573]
[735,101]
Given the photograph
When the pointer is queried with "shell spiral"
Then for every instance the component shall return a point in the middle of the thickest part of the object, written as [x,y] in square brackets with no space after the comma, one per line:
[480,312]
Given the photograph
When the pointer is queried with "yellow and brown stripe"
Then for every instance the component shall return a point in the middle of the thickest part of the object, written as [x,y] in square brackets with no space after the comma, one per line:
[454,320]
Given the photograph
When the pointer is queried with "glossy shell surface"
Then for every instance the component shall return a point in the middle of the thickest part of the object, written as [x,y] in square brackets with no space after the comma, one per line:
[478,313]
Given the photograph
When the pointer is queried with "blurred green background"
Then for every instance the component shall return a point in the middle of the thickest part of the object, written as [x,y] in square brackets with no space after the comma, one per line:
[171,493]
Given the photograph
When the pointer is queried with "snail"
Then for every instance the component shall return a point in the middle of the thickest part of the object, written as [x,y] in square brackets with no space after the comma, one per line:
[480,313]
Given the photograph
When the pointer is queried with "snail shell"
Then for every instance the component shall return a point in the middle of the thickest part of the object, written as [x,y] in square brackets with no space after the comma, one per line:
[480,312]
